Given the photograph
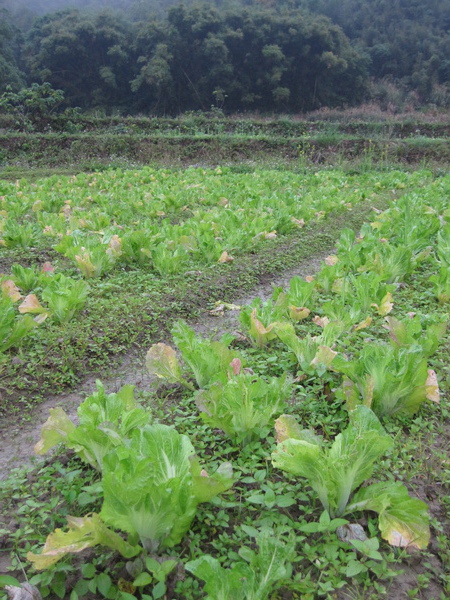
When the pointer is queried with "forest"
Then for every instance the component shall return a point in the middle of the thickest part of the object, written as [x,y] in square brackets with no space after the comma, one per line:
[156,57]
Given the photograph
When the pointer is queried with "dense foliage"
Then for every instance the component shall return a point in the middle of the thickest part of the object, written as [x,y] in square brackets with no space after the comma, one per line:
[169,58]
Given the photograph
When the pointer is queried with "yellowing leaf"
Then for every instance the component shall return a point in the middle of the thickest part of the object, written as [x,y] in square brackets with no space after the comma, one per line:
[11,290]
[324,356]
[331,260]
[162,361]
[85,265]
[55,429]
[187,242]
[83,533]
[385,305]
[432,387]
[47,267]
[286,427]
[115,247]
[40,318]
[321,321]
[297,314]
[31,305]
[337,285]
[404,529]
[298,222]
[221,307]
[366,323]
[262,335]
[376,225]
[236,365]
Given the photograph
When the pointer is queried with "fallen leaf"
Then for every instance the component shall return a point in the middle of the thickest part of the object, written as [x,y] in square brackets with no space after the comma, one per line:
[432,387]
[225,258]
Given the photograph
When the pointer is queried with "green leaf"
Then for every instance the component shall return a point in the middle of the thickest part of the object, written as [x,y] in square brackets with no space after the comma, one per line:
[354,568]
[88,570]
[159,590]
[104,584]
[143,579]
[8,580]
[127,596]
[82,587]
[285,501]
[59,588]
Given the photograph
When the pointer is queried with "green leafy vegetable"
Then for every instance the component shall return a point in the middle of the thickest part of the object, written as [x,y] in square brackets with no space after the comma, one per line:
[243,405]
[106,420]
[391,381]
[413,332]
[336,471]
[153,485]
[207,359]
[65,296]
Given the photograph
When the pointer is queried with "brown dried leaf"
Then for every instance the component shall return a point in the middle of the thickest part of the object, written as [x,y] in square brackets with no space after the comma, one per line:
[225,258]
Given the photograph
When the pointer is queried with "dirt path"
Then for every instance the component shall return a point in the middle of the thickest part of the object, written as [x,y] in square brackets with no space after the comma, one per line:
[17,442]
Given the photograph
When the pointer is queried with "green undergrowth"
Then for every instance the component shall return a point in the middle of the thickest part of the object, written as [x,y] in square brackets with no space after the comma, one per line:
[215,122]
[26,151]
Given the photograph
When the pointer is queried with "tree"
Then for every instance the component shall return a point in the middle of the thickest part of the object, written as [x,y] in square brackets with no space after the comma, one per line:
[10,74]
[85,56]
[31,107]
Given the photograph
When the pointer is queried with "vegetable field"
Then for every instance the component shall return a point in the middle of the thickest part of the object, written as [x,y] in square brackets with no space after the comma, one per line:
[297,449]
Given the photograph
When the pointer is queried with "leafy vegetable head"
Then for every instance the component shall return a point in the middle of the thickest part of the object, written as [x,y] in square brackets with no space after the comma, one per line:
[153,485]
[106,421]
[243,405]
[335,472]
[207,359]
[391,381]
